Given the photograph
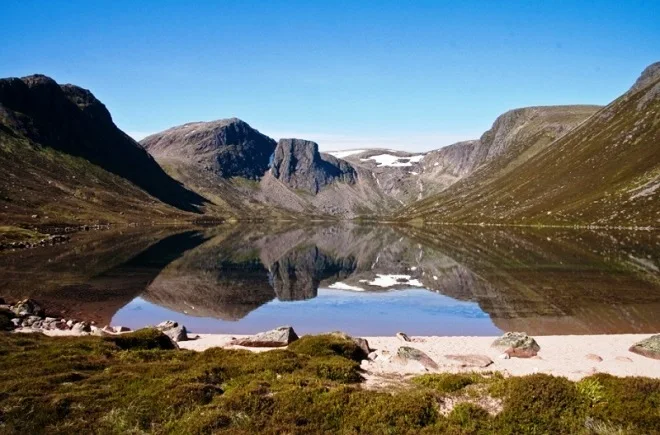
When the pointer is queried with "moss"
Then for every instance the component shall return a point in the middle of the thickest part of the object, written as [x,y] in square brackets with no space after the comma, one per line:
[539,402]
[96,385]
[447,382]
[327,345]
[144,339]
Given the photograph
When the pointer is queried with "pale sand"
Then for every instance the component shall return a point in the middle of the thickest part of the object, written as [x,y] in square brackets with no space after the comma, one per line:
[559,355]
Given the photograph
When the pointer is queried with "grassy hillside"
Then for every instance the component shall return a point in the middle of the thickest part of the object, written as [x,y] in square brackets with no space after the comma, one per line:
[604,172]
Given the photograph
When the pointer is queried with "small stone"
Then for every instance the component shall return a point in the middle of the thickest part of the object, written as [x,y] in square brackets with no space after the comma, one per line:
[471,360]
[168,324]
[623,359]
[504,356]
[594,357]
[403,336]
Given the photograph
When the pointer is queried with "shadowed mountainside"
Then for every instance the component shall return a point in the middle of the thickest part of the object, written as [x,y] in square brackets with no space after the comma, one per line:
[62,154]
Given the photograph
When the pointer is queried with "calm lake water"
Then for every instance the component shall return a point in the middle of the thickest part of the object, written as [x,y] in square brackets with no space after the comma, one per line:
[364,280]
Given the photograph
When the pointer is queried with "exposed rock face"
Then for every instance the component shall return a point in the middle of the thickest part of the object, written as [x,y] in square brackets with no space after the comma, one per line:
[649,347]
[299,165]
[227,147]
[279,337]
[70,119]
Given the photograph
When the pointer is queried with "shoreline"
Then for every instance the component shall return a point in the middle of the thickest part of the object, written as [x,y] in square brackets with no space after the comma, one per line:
[571,356]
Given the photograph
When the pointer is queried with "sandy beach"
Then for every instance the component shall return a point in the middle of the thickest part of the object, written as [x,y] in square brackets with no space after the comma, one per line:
[559,355]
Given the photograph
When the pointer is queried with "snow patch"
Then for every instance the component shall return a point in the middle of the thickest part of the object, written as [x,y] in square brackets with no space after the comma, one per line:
[392,280]
[344,286]
[394,161]
[346,153]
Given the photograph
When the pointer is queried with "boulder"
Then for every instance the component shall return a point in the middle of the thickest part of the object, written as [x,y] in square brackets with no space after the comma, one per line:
[471,360]
[517,344]
[28,307]
[81,328]
[649,347]
[173,330]
[119,329]
[406,354]
[30,320]
[403,336]
[279,337]
[362,343]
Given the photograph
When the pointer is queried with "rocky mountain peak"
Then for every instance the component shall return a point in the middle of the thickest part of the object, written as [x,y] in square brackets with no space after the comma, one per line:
[228,147]
[299,165]
[650,75]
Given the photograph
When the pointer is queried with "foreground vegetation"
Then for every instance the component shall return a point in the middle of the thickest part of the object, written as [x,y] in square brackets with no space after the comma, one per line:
[138,383]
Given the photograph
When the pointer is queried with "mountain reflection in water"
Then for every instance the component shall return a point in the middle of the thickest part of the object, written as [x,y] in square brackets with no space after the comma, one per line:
[368,280]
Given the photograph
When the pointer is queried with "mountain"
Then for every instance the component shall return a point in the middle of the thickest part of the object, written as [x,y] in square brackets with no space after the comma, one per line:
[63,157]
[606,171]
[514,137]
[292,178]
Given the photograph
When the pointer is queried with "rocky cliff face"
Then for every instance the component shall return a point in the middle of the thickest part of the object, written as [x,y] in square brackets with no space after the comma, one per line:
[42,123]
[299,165]
[227,147]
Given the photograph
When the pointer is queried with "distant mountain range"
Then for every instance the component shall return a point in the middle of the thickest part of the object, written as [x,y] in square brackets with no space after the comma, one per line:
[65,161]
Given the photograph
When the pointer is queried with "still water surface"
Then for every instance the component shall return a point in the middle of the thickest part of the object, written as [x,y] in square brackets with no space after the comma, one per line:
[364,280]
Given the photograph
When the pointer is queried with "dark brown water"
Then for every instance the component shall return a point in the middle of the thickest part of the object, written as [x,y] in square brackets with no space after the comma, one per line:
[364,280]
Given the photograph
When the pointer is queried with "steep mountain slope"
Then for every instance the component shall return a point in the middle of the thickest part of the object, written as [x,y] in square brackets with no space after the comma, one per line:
[604,172]
[514,136]
[62,156]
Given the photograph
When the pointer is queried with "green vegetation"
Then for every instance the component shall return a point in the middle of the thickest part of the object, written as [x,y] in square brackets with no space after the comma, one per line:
[134,385]
[10,234]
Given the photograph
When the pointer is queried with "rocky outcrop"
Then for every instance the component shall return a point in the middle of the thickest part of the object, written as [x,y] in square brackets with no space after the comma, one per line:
[226,147]
[299,165]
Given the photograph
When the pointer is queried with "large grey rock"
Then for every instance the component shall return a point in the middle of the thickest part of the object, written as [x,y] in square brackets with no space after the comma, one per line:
[517,344]
[279,337]
[649,347]
[298,164]
[173,330]
[406,353]
[81,328]
[28,307]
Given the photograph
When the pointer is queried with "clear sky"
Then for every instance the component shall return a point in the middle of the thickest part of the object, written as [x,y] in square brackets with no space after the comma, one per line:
[406,75]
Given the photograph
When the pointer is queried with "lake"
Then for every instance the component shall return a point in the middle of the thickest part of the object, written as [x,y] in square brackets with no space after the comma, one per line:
[364,280]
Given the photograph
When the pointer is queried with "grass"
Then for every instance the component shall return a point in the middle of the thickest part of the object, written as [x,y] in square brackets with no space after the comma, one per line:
[135,384]
[9,234]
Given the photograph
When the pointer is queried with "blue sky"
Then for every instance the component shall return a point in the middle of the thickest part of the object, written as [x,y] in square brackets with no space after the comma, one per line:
[406,75]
